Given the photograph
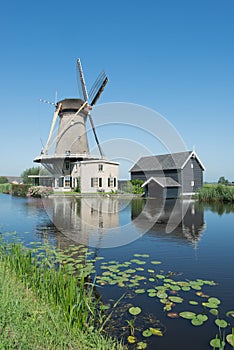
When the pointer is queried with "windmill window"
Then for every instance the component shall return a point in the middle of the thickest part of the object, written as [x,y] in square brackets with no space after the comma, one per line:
[100,182]
[94,181]
[67,181]
[191,165]
[114,181]
[67,165]
[192,183]
[100,167]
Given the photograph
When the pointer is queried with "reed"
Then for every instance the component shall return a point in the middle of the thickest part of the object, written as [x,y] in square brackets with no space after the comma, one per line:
[216,193]
[51,275]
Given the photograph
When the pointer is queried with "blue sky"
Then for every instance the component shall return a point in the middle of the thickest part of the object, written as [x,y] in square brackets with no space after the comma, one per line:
[175,57]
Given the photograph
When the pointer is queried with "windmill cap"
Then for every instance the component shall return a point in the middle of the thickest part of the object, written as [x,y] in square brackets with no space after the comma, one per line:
[71,104]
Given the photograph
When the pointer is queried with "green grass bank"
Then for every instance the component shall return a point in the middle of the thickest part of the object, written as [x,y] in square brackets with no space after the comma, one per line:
[44,305]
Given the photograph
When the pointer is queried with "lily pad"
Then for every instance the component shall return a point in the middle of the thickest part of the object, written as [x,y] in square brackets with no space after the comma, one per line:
[214,312]
[141,345]
[176,299]
[214,300]
[192,302]
[156,331]
[139,291]
[217,343]
[147,333]
[134,310]
[221,323]
[187,314]
[230,313]
[131,339]
[230,339]
[156,262]
[196,322]
[173,315]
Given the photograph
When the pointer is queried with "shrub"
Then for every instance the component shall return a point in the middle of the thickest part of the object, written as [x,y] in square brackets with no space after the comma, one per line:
[20,190]
[39,191]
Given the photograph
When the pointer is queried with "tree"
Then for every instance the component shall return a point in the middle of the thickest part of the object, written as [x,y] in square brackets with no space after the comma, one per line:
[3,180]
[31,171]
[223,181]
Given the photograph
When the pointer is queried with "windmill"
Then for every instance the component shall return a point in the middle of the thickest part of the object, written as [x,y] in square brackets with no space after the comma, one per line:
[71,142]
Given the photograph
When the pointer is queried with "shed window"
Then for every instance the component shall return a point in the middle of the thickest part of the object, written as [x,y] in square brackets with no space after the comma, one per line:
[191,165]
[192,183]
[67,165]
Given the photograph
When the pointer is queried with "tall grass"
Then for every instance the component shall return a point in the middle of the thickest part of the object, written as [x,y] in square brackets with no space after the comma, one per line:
[50,274]
[5,188]
[216,193]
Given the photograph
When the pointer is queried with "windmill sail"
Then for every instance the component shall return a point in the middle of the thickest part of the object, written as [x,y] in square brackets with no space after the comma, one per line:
[97,88]
[82,80]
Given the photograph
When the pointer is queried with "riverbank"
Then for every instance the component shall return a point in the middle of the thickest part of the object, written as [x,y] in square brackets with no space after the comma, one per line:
[216,193]
[30,317]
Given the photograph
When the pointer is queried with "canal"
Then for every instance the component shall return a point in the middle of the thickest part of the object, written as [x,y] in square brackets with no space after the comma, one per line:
[162,257]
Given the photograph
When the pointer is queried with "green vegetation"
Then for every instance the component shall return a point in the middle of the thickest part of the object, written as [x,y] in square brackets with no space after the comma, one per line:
[3,180]
[53,306]
[223,181]
[20,190]
[32,171]
[5,188]
[216,193]
[134,186]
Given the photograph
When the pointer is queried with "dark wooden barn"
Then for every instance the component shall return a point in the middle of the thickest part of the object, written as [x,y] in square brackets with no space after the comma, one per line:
[169,175]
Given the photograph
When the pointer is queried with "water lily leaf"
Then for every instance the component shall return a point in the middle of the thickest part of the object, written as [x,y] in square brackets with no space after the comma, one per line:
[176,299]
[139,268]
[230,339]
[160,276]
[221,323]
[131,339]
[140,262]
[210,305]
[214,312]
[150,270]
[187,314]
[130,271]
[230,313]
[151,279]
[161,295]
[202,295]
[185,289]
[147,333]
[156,331]
[175,288]
[214,300]
[192,302]
[134,310]
[173,315]
[202,317]
[141,345]
[152,294]
[196,322]
[216,343]
[139,291]
[156,262]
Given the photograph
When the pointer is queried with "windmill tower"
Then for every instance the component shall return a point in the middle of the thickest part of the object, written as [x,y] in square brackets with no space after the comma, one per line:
[71,141]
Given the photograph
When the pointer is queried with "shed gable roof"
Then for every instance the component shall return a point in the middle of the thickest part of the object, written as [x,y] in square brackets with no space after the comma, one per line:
[163,182]
[171,161]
